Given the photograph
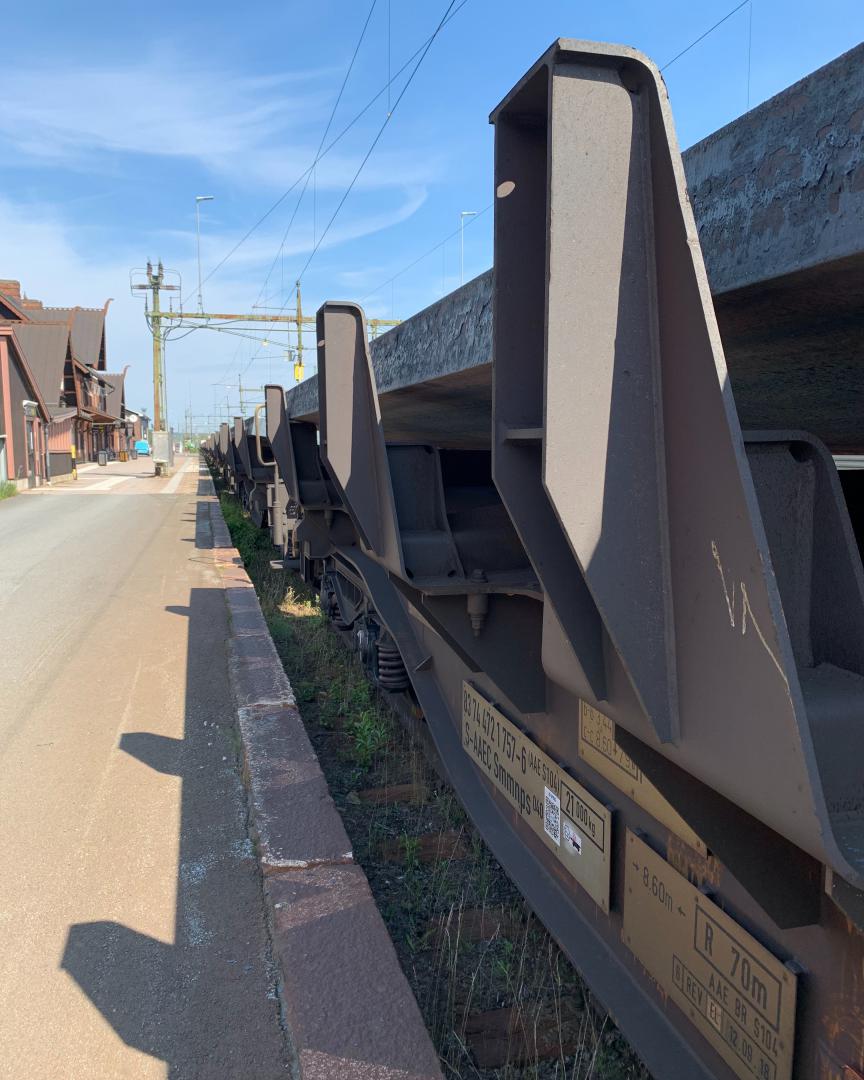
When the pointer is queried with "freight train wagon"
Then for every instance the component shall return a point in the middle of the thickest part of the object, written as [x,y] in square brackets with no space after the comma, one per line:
[634,629]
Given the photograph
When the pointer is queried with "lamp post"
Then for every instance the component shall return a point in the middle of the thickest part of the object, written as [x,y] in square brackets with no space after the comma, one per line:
[198,200]
[462,215]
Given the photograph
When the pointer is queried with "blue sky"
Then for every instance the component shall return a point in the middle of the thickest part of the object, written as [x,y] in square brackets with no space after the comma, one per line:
[112,121]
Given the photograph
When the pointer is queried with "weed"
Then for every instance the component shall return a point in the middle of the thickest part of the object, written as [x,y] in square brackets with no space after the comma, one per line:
[360,696]
[305,691]
[504,961]
[411,847]
[371,732]
[7,489]
[353,776]
[451,810]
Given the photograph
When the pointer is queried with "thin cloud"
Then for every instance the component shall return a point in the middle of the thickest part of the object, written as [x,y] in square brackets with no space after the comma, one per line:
[259,130]
[385,169]
[260,250]
[164,107]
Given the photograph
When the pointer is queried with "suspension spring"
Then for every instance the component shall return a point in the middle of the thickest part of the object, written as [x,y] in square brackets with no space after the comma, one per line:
[391,673]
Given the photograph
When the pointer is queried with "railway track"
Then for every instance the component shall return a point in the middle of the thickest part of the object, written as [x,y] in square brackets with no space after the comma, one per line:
[634,632]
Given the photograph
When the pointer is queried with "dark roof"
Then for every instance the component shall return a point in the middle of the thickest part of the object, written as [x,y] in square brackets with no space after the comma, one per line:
[11,308]
[88,326]
[27,371]
[63,414]
[114,397]
[45,346]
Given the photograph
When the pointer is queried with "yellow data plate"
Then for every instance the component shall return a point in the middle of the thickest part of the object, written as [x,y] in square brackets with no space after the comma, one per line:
[739,995]
[575,826]
[597,748]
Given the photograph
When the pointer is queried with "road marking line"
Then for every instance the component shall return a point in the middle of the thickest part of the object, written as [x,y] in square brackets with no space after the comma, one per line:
[174,483]
[105,484]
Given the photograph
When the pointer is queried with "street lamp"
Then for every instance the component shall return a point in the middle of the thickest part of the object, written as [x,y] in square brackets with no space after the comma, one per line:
[462,215]
[198,200]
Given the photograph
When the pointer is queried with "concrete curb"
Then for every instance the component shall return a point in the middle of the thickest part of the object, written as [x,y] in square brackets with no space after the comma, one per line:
[347,1005]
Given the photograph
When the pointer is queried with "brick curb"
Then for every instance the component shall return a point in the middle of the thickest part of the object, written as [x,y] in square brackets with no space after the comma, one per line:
[347,1005]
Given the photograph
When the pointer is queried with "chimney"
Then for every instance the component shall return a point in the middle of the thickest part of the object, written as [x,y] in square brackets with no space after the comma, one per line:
[10,288]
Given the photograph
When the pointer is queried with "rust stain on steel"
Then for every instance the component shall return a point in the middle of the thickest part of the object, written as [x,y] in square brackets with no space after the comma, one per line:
[696,867]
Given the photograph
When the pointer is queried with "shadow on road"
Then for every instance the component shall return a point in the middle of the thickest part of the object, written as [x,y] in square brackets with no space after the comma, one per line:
[205,1004]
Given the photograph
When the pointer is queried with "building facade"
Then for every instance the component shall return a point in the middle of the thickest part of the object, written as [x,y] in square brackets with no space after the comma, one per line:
[24,418]
[66,354]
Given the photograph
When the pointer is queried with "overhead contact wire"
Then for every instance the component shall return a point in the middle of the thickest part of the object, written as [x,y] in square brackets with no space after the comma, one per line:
[702,37]
[375,141]
[426,254]
[318,154]
[328,148]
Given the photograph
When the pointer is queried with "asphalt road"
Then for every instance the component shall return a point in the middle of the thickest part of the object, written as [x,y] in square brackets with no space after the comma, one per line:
[132,933]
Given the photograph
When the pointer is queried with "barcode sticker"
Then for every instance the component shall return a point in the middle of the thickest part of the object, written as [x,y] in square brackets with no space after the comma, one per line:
[572,839]
[552,815]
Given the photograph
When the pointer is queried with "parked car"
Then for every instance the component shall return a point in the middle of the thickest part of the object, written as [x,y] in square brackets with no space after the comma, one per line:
[143,447]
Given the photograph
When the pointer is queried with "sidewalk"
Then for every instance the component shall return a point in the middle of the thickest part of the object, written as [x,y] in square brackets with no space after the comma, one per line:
[133,937]
[123,478]
[136,466]
[144,932]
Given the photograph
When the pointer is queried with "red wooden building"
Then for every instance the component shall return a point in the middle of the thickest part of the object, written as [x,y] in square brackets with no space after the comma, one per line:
[66,353]
[24,417]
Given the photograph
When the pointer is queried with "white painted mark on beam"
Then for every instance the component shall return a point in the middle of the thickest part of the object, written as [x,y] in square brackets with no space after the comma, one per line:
[746,610]
[730,603]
